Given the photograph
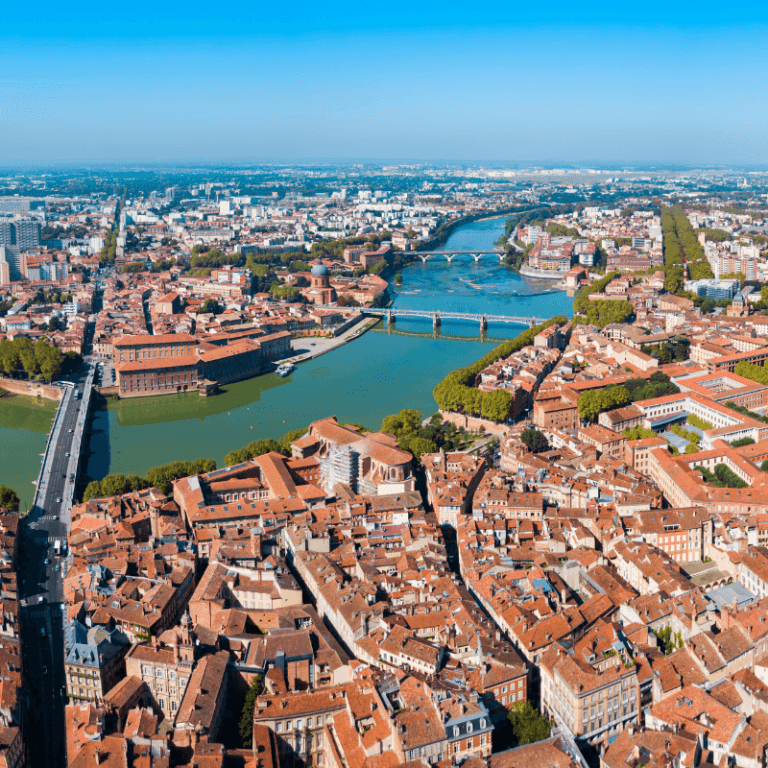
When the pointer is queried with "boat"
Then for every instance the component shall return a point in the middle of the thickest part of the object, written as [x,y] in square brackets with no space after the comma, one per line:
[284,369]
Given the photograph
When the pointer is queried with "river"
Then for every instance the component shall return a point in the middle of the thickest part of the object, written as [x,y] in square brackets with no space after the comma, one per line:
[377,374]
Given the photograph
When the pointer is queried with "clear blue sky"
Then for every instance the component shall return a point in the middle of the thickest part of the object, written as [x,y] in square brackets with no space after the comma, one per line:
[652,82]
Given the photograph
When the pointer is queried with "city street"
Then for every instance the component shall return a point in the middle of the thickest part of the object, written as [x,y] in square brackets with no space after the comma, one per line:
[40,573]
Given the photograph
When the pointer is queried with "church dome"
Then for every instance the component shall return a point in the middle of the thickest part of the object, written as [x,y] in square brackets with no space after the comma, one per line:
[319,269]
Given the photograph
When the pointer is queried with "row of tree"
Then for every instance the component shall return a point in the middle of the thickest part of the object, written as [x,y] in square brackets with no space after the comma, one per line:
[161,477]
[681,249]
[265,445]
[22,356]
[109,249]
[593,402]
[723,477]
[457,391]
[751,371]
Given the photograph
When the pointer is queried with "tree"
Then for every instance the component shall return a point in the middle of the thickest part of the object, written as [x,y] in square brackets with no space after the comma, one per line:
[534,441]
[528,725]
[92,490]
[638,433]
[418,446]
[246,721]
[133,268]
[162,477]
[286,440]
[209,306]
[256,448]
[8,498]
[593,402]
[398,279]
[496,405]
[404,425]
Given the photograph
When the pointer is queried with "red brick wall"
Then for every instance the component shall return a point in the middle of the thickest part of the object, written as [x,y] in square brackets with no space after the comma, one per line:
[32,388]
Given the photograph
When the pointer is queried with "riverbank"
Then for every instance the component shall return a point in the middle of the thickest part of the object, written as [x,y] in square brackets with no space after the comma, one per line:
[31,388]
[322,345]
[380,374]
[445,230]
[543,274]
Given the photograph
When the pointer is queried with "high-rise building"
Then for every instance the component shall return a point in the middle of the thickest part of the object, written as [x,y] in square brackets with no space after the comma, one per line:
[7,232]
[10,254]
[27,234]
[23,232]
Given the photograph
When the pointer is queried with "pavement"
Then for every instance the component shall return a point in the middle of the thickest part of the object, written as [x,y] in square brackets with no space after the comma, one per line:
[306,347]
[40,573]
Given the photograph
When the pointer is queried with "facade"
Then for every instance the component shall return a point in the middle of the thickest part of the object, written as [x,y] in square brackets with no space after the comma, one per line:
[93,660]
[596,694]
[142,378]
[165,671]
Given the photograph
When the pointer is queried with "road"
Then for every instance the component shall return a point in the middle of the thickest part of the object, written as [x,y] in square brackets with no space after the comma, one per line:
[40,574]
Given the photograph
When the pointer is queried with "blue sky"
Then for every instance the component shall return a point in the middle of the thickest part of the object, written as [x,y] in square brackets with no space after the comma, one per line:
[549,82]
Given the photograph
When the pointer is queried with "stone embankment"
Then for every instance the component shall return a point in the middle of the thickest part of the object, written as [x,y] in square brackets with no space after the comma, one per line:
[32,388]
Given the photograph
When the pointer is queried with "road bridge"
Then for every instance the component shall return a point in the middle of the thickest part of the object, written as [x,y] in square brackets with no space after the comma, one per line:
[437,317]
[475,253]
[40,571]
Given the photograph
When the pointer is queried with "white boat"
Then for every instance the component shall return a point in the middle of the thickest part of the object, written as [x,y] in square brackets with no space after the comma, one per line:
[284,369]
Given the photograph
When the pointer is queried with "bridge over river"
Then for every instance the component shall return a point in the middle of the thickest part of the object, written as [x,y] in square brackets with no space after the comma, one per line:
[475,253]
[438,316]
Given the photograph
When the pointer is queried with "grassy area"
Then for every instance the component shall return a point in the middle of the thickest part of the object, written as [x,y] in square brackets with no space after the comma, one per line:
[26,412]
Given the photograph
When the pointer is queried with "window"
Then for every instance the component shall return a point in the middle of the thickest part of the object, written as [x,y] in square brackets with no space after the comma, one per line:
[469,727]
[279,727]
[288,725]
[455,730]
[482,723]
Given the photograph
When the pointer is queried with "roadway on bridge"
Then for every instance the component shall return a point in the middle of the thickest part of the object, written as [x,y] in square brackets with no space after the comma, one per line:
[41,589]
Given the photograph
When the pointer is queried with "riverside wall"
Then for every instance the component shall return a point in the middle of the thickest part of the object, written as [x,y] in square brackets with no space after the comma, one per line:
[474,423]
[33,389]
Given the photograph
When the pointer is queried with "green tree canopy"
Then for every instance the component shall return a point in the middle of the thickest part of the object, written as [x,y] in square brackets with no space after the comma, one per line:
[528,725]
[9,498]
[246,721]
[250,451]
[418,446]
[593,402]
[456,392]
[534,440]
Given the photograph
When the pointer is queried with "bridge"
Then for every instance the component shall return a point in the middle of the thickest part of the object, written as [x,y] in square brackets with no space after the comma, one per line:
[437,317]
[475,253]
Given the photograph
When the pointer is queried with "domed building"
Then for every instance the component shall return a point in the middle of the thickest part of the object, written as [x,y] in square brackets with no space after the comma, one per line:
[320,291]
